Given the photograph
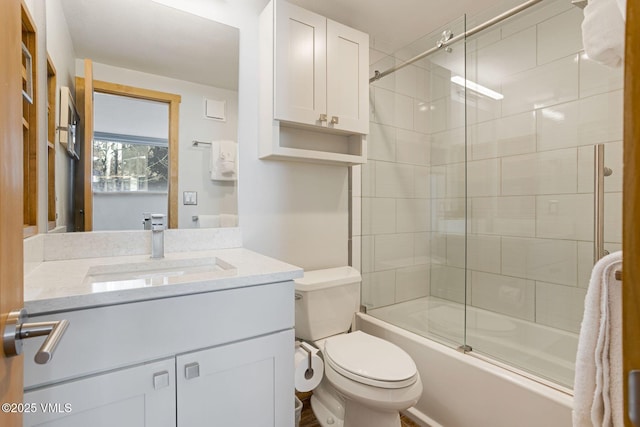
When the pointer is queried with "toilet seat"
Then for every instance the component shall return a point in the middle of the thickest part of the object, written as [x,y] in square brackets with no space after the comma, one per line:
[370,360]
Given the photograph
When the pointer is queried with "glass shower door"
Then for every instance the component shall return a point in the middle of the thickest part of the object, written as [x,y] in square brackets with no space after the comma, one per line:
[530,186]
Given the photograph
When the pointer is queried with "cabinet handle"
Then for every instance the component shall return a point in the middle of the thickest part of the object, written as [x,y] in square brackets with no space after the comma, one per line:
[160,380]
[16,330]
[192,370]
[335,120]
[323,118]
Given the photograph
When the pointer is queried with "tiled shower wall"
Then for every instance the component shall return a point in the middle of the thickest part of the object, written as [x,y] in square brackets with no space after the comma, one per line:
[529,172]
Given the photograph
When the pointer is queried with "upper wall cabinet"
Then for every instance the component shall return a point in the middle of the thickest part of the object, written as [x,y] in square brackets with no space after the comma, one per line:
[314,99]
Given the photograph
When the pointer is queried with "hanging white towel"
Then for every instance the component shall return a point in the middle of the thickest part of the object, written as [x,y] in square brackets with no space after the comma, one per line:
[228,220]
[603,31]
[223,161]
[597,391]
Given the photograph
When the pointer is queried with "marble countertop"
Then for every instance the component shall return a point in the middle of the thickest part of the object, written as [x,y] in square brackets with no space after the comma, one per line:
[57,286]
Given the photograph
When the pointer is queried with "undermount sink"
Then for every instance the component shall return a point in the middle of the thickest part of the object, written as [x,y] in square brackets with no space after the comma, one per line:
[155,272]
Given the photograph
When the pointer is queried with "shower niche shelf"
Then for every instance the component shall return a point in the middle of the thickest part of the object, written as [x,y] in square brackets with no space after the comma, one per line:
[314,92]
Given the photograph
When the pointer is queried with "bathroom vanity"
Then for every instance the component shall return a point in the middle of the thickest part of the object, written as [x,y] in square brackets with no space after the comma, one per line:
[194,343]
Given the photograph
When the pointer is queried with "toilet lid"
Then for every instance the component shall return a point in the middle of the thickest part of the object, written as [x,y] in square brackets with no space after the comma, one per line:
[370,360]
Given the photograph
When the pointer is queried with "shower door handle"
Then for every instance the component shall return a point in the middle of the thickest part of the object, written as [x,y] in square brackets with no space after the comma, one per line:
[16,330]
[598,202]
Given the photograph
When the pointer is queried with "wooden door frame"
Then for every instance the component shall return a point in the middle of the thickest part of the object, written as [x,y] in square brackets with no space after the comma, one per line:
[631,201]
[173,101]
[11,196]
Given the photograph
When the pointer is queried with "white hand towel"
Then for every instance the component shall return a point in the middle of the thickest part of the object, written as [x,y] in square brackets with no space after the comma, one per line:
[597,390]
[208,221]
[223,160]
[603,31]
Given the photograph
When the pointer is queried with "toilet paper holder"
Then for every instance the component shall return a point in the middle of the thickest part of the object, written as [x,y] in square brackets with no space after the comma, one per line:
[310,351]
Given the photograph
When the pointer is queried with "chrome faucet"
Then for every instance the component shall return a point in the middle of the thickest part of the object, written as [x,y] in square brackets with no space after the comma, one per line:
[157,235]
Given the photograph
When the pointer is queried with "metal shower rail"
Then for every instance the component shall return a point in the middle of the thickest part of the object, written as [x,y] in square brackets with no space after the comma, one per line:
[447,41]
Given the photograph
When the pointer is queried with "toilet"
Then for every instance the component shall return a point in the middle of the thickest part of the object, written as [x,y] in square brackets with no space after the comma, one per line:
[367,380]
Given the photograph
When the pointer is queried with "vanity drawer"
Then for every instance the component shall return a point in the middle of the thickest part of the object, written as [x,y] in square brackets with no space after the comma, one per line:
[111,337]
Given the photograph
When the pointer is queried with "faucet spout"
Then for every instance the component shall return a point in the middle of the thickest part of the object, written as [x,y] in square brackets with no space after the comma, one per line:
[157,235]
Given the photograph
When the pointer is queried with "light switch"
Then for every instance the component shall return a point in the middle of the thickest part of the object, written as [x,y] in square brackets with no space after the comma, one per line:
[190,198]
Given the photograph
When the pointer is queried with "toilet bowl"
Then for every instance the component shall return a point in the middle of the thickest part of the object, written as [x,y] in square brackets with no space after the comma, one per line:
[367,380]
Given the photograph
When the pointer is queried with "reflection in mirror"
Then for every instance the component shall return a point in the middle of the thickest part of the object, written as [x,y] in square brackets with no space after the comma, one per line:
[141,45]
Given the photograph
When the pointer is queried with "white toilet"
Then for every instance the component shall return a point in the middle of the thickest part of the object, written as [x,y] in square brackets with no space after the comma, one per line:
[367,380]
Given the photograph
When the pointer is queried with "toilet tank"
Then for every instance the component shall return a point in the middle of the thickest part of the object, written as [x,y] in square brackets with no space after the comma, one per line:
[326,301]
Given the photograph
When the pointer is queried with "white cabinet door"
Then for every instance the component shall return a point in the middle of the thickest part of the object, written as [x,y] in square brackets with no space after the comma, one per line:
[300,65]
[248,383]
[347,78]
[142,396]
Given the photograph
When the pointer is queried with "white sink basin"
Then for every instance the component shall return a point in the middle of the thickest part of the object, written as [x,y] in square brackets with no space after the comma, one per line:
[156,272]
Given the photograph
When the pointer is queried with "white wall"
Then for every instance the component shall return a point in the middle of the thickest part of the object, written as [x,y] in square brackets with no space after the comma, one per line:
[60,50]
[123,211]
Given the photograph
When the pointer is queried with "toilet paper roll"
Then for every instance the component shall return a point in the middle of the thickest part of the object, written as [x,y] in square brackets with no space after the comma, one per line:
[304,380]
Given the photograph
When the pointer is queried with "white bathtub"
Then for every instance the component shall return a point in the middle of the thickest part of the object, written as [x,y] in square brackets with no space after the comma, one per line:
[461,390]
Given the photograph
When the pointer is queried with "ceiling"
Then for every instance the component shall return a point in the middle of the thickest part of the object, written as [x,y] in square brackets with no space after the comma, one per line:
[146,36]
[203,51]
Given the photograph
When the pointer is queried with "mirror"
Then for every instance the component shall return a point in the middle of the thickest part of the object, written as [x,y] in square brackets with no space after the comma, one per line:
[147,46]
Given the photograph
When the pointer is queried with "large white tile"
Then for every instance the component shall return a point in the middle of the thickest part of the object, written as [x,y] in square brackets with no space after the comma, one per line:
[422,181]
[558,126]
[483,178]
[412,215]
[533,16]
[438,182]
[448,283]
[596,78]
[378,289]
[511,55]
[600,118]
[548,172]
[559,306]
[412,282]
[381,142]
[456,182]
[560,36]
[503,294]
[439,82]
[383,216]
[438,248]
[394,180]
[366,254]
[412,147]
[540,259]
[448,147]
[393,251]
[543,86]
[356,181]
[393,109]
[369,179]
[422,116]
[508,216]
[382,62]
[404,112]
[484,253]
[455,255]
[516,134]
[356,252]
[438,111]
[406,79]
[448,215]
[422,248]
[613,217]
[585,263]
[565,216]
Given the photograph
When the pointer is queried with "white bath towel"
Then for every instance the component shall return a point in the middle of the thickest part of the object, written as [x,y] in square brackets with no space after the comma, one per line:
[603,31]
[597,391]
[228,220]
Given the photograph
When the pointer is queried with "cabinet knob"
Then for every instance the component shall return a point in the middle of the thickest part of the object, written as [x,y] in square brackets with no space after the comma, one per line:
[192,370]
[322,118]
[335,120]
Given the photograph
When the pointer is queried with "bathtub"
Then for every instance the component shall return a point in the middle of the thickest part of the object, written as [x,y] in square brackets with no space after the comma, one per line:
[461,390]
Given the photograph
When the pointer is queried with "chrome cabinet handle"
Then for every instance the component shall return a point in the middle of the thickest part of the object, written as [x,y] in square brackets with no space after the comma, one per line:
[335,120]
[322,118]
[192,370]
[16,330]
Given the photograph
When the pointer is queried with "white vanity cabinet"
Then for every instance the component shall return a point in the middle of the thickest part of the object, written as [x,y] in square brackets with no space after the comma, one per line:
[314,94]
[214,358]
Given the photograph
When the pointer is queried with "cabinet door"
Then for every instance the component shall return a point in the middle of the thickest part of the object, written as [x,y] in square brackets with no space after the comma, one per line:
[300,65]
[248,383]
[143,396]
[347,78]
